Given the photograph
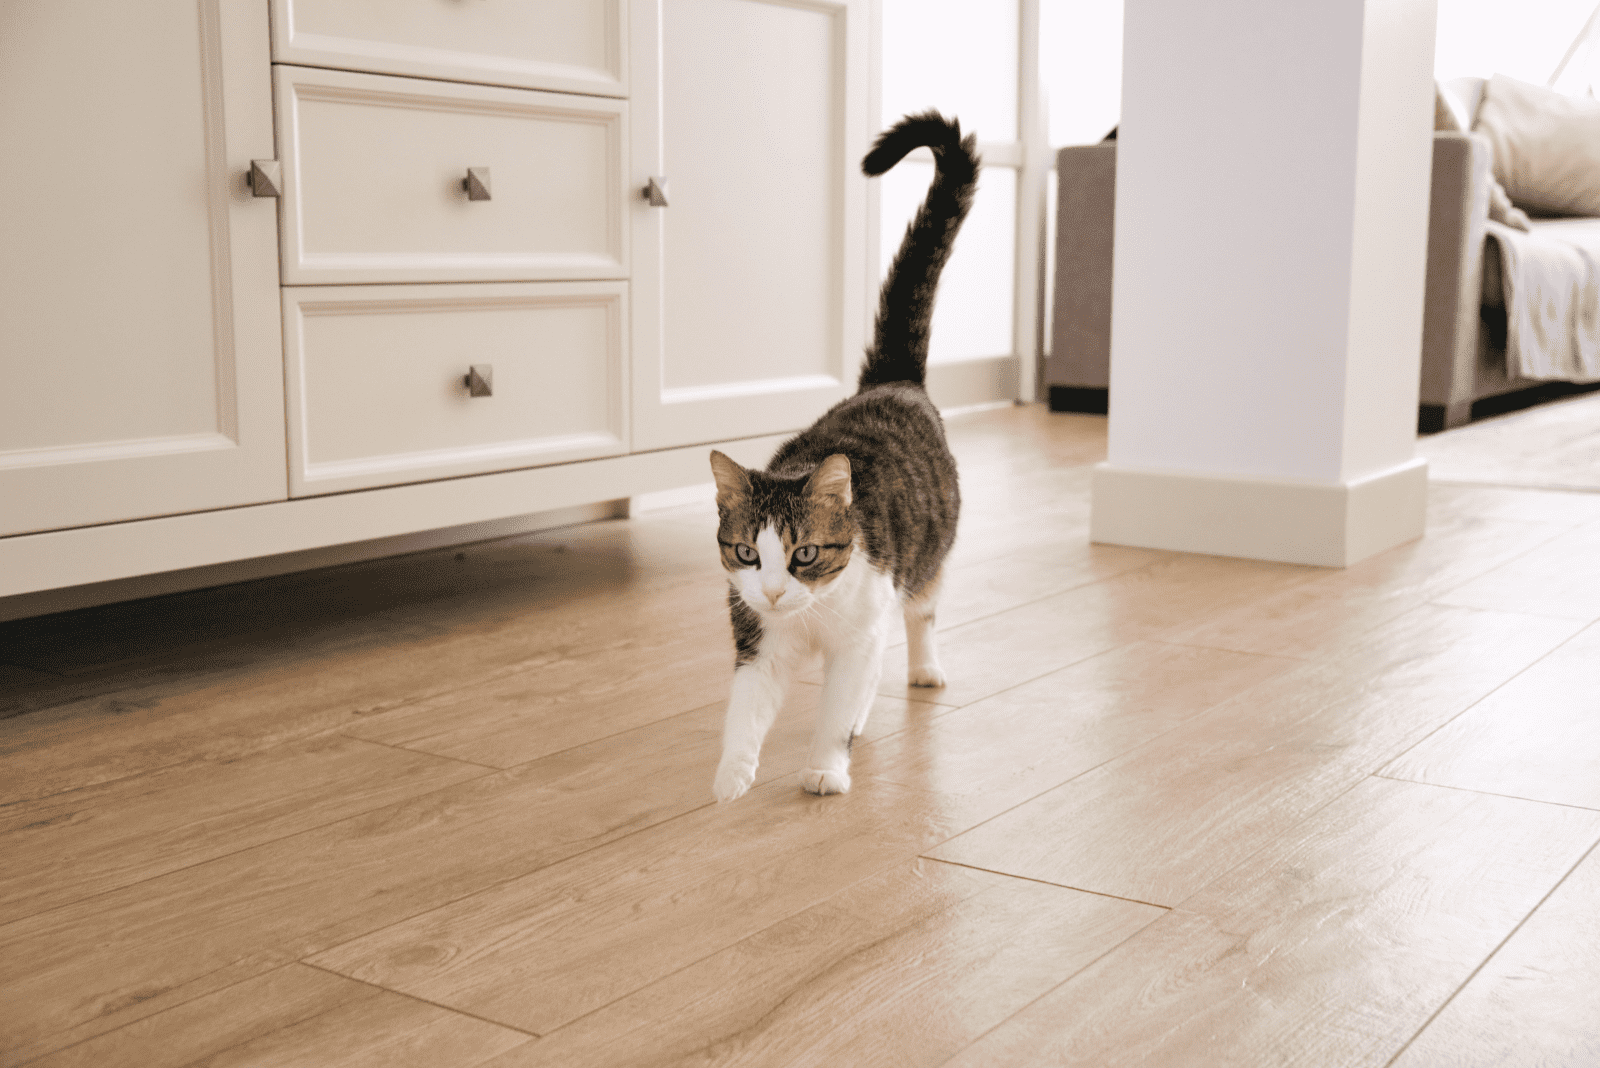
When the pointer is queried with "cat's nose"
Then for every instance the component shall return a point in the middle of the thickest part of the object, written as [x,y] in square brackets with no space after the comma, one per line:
[772,596]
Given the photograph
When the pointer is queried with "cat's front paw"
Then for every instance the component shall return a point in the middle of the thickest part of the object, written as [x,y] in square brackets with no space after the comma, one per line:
[733,780]
[825,782]
[925,675]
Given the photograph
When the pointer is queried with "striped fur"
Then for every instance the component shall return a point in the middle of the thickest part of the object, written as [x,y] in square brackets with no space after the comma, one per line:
[852,514]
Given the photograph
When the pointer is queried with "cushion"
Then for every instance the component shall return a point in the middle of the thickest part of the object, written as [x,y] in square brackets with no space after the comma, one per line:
[1450,114]
[1546,146]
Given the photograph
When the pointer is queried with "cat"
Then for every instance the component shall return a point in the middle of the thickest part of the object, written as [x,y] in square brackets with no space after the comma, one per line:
[853,514]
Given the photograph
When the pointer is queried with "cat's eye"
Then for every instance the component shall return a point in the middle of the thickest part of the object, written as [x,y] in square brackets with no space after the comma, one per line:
[747,554]
[806,554]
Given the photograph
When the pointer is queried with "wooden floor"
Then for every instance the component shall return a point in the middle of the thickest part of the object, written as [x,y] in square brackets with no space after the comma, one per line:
[454,809]
[1549,446]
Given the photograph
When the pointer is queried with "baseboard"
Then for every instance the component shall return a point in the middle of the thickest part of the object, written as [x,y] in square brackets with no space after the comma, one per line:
[970,383]
[1090,400]
[1325,524]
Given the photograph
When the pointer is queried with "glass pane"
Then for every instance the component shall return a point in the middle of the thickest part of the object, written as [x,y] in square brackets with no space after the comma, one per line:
[973,316]
[956,56]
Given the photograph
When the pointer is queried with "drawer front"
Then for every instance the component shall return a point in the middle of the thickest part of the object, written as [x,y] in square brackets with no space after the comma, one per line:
[376,380]
[375,172]
[573,46]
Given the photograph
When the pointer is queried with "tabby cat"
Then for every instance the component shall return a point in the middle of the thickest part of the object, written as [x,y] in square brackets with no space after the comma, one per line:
[852,514]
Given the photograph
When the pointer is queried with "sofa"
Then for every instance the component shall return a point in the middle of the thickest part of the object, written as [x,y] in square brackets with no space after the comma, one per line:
[1475,229]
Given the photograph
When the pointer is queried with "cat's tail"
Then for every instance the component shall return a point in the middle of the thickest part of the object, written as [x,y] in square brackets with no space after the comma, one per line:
[899,351]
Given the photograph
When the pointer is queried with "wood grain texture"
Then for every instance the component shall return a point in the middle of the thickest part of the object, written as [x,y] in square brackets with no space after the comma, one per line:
[1533,1005]
[906,967]
[1332,946]
[521,716]
[1560,578]
[539,951]
[557,600]
[1001,751]
[1003,650]
[1447,500]
[1551,446]
[1537,737]
[295,1015]
[1169,817]
[71,846]
[85,968]
[1340,606]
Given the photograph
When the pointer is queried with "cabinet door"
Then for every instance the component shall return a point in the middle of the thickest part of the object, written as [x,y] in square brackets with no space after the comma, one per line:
[140,344]
[748,285]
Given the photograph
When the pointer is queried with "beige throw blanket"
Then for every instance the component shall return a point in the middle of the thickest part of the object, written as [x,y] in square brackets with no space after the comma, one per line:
[1551,280]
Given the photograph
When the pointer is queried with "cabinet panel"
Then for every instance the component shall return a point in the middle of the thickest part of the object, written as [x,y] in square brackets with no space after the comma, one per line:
[749,285]
[139,334]
[374,168]
[576,46]
[377,394]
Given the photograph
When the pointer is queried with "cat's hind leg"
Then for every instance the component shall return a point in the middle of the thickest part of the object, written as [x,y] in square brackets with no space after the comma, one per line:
[922,650]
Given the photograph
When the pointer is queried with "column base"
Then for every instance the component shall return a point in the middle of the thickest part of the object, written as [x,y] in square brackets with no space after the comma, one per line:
[1326,524]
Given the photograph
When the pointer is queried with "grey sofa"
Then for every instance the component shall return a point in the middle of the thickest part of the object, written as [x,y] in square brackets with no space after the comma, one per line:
[1463,334]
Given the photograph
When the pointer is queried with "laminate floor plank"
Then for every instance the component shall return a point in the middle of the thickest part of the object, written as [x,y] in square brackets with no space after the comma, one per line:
[295,1016]
[1533,1005]
[537,952]
[144,728]
[1341,605]
[1006,649]
[1551,445]
[999,752]
[1538,737]
[1560,578]
[1447,500]
[906,967]
[1167,818]
[516,717]
[87,967]
[1329,948]
[75,845]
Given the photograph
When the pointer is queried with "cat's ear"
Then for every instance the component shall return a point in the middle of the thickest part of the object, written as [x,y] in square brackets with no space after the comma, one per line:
[732,480]
[831,478]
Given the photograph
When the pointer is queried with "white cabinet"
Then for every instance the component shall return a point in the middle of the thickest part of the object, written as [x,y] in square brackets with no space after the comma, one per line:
[191,374]
[141,366]
[749,286]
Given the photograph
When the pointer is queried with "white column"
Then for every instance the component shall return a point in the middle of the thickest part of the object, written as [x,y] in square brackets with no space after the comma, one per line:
[1271,237]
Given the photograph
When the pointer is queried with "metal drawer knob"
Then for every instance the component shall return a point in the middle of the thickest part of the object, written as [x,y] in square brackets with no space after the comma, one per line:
[656,192]
[479,380]
[265,178]
[476,183]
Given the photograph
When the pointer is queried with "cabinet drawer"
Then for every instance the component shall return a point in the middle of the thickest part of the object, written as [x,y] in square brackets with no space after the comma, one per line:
[573,46]
[376,390]
[374,173]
